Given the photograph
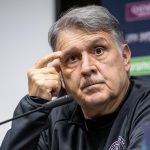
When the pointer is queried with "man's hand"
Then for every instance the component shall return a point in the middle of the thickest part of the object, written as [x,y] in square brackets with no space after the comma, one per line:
[44,81]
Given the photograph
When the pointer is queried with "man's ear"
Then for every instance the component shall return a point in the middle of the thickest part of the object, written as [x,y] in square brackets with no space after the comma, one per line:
[126,56]
[62,80]
[62,90]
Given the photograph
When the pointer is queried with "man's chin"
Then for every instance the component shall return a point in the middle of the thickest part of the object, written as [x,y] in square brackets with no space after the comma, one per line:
[95,99]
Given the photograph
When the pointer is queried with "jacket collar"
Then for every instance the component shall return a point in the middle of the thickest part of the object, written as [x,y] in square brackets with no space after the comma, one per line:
[77,116]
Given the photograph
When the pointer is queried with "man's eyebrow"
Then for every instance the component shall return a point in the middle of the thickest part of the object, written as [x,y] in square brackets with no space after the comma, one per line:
[69,51]
[99,40]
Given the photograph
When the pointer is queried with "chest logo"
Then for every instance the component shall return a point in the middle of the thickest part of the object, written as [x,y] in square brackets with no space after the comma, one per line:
[118,145]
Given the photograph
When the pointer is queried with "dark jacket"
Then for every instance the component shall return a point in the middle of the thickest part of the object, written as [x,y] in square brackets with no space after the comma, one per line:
[64,127]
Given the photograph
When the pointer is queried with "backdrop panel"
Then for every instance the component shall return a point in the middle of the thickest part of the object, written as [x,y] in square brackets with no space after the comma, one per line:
[134,16]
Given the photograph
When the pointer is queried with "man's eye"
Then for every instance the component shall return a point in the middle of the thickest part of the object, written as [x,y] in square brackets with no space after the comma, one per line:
[72,58]
[98,51]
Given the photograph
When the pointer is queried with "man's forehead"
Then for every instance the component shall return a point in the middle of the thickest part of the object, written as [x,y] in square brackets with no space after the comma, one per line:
[76,38]
[78,32]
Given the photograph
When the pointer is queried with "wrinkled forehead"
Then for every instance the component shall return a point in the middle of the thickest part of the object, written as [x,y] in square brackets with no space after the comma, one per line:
[74,38]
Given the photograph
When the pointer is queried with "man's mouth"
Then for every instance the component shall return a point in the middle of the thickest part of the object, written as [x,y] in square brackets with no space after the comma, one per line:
[90,83]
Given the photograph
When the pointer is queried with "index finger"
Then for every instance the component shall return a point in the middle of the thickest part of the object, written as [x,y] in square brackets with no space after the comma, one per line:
[47,59]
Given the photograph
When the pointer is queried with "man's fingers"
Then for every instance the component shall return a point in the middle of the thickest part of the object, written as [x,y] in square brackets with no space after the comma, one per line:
[45,70]
[49,84]
[44,80]
[47,59]
[56,64]
[46,77]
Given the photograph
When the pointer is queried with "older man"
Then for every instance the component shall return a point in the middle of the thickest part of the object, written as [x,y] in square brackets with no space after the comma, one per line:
[91,61]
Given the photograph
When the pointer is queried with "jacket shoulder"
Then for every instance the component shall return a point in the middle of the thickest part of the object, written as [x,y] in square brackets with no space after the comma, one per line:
[141,81]
[63,112]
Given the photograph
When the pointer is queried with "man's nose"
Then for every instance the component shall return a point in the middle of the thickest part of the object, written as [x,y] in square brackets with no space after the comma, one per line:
[88,65]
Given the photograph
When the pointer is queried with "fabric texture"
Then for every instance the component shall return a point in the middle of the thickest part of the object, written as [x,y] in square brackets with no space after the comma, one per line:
[65,128]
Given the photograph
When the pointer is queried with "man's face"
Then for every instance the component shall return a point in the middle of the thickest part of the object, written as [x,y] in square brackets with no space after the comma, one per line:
[94,70]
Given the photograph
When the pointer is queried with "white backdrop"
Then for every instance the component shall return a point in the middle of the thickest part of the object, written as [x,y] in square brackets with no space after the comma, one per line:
[24,25]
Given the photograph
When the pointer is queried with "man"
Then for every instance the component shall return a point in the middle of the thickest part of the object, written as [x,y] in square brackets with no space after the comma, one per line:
[91,61]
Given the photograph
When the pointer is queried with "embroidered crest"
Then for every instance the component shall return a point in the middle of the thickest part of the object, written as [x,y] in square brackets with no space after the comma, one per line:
[118,145]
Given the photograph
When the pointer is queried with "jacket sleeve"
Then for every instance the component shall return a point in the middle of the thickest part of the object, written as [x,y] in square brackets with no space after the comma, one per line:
[28,132]
[140,118]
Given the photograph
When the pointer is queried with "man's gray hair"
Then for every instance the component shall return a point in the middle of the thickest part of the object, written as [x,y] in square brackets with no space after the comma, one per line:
[89,19]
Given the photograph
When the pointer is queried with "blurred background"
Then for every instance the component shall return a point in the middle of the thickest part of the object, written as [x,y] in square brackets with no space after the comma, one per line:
[24,26]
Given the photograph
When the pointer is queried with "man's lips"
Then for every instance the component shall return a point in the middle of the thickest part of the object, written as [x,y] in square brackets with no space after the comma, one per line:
[90,83]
